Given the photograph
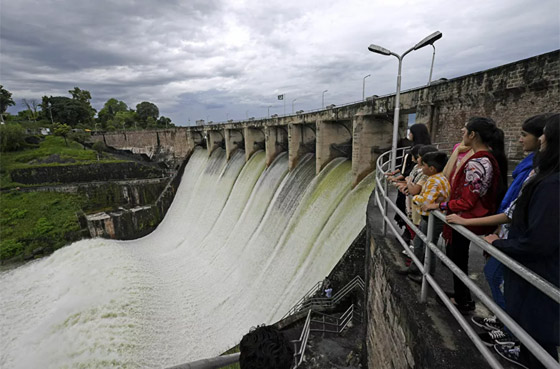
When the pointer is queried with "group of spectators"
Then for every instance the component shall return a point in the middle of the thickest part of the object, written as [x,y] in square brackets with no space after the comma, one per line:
[521,220]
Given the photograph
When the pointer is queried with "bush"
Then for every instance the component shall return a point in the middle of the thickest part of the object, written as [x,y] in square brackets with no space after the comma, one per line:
[10,248]
[12,137]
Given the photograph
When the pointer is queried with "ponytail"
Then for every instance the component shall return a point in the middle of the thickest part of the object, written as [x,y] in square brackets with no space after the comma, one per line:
[493,137]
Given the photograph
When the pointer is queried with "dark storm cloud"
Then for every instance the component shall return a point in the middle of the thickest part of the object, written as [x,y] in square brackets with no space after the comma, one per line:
[231,58]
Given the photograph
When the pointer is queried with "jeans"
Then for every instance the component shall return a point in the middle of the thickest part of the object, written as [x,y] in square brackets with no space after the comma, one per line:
[420,247]
[494,272]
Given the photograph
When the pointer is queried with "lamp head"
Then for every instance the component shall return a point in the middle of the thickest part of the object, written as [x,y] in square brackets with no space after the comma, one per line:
[379,50]
[428,40]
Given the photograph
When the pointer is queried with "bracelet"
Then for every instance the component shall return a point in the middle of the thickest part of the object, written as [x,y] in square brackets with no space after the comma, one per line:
[443,206]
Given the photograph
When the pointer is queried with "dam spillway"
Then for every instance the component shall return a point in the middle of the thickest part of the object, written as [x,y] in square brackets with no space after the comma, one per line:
[241,243]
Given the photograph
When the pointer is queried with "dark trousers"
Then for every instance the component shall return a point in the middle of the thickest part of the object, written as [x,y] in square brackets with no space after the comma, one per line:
[527,358]
[458,252]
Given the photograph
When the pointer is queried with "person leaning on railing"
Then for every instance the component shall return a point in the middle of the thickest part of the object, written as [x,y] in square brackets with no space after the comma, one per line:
[419,135]
[477,187]
[531,130]
[436,188]
[534,241]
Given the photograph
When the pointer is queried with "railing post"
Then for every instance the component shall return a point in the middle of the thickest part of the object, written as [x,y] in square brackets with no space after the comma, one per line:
[386,206]
[427,259]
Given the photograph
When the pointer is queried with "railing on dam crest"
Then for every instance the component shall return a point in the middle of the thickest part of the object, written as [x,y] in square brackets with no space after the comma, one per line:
[383,202]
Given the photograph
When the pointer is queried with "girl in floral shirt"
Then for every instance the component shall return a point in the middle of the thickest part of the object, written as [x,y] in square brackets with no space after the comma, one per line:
[477,188]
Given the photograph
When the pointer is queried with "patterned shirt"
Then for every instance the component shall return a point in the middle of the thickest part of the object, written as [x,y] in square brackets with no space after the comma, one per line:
[437,186]
[478,175]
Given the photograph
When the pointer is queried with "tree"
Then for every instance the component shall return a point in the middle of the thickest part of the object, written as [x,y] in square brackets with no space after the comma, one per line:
[111,107]
[164,122]
[62,130]
[146,109]
[123,119]
[99,147]
[80,95]
[31,108]
[68,111]
[5,101]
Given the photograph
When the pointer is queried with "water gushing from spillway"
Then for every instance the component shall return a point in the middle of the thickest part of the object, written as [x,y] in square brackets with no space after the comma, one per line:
[239,246]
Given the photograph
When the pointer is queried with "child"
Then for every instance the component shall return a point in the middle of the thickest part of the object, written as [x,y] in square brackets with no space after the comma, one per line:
[436,188]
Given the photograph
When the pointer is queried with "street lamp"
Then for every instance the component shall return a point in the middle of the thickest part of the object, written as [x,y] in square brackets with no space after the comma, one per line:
[293,101]
[268,114]
[323,99]
[364,88]
[432,67]
[429,40]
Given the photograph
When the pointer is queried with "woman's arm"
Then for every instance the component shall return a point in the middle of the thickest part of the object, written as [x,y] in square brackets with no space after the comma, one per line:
[541,237]
[491,220]
[448,170]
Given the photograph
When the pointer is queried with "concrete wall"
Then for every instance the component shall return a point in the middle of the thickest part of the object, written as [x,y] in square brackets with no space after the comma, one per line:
[401,331]
[509,94]
[85,173]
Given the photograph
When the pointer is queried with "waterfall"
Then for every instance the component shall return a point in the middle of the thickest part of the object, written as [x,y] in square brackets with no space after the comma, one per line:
[240,244]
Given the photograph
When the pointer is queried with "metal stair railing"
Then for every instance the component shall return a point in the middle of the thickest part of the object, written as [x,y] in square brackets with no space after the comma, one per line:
[308,302]
[340,324]
[302,342]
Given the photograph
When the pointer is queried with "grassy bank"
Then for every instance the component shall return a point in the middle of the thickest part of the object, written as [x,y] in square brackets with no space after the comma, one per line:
[51,147]
[36,223]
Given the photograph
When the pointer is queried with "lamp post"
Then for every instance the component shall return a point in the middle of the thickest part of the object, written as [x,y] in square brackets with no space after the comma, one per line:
[323,99]
[293,101]
[429,40]
[268,114]
[432,67]
[364,88]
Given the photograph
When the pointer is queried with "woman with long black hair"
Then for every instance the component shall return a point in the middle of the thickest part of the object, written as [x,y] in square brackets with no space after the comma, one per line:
[534,241]
[476,191]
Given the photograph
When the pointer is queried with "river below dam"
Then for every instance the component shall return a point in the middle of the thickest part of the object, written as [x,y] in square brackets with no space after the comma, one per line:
[240,244]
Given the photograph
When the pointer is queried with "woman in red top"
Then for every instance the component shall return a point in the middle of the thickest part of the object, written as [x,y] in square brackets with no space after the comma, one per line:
[476,191]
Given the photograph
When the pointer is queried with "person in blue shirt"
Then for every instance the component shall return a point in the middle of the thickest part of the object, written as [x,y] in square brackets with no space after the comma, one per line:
[534,242]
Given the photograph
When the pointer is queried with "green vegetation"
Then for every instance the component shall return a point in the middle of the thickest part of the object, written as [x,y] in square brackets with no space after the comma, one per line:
[73,154]
[40,220]
[33,220]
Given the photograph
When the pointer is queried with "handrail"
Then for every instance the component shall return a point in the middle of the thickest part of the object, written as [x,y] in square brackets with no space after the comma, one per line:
[307,302]
[210,363]
[304,337]
[538,282]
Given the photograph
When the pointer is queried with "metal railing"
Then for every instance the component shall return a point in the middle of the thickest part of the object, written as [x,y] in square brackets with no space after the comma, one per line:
[210,363]
[339,324]
[381,194]
[308,301]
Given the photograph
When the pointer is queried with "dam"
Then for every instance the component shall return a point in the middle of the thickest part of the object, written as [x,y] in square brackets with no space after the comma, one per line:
[265,209]
[239,246]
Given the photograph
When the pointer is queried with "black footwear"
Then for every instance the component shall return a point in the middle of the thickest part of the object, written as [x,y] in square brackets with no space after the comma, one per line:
[490,324]
[496,337]
[465,307]
[510,353]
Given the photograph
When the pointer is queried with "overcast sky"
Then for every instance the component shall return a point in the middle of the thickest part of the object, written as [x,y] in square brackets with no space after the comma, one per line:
[213,59]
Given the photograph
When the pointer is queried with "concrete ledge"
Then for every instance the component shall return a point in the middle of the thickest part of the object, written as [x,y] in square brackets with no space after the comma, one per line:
[401,332]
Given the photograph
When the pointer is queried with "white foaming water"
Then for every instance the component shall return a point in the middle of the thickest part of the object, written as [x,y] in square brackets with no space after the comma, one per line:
[239,245]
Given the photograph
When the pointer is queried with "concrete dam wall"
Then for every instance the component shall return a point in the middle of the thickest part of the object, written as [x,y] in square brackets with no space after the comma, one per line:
[509,94]
[240,244]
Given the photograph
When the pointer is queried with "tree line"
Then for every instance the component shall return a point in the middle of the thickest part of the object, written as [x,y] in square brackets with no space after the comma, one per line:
[76,112]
